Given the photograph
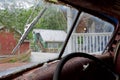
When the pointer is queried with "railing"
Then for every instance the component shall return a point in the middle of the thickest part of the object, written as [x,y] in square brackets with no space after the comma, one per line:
[89,42]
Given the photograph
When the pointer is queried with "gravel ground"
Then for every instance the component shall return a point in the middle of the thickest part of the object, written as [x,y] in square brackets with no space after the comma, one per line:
[42,57]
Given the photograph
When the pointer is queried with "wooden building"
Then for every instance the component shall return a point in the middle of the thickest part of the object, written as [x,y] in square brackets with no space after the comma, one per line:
[49,39]
[9,39]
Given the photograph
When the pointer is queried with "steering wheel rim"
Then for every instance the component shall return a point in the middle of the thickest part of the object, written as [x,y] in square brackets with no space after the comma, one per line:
[116,58]
[60,65]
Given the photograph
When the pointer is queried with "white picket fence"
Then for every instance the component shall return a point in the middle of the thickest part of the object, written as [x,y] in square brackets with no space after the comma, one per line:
[89,42]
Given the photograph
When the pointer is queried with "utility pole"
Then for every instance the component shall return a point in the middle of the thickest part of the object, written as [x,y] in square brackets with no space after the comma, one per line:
[29,27]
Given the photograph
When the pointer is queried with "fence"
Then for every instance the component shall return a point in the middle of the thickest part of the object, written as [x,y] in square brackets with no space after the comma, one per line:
[89,42]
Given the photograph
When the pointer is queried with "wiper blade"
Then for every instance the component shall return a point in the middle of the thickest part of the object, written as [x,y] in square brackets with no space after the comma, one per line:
[30,26]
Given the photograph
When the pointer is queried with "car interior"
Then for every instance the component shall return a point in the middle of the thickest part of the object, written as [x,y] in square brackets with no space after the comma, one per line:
[81,65]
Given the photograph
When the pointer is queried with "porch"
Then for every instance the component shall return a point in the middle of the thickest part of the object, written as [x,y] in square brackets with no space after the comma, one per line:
[89,42]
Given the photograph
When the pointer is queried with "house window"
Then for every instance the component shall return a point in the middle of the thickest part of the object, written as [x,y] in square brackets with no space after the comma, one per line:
[53,45]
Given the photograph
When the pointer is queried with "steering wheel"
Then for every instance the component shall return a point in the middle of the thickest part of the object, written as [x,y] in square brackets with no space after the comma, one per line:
[117,58]
[60,65]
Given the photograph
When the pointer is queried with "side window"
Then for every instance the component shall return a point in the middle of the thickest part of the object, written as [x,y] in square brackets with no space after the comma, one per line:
[91,35]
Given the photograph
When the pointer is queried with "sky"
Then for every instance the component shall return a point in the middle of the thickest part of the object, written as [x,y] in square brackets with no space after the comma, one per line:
[16,3]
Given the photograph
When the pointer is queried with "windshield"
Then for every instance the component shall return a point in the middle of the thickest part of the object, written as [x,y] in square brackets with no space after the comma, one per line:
[35,32]
[91,35]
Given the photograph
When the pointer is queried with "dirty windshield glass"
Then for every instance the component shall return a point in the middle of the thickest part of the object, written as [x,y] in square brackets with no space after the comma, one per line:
[91,35]
[34,31]
[31,31]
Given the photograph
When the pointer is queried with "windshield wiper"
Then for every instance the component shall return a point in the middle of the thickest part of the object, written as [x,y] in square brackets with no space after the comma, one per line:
[30,26]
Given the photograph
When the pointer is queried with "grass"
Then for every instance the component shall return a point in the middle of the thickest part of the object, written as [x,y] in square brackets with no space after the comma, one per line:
[24,57]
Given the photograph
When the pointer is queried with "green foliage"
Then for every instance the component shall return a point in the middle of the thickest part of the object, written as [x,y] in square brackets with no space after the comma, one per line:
[53,19]
[16,19]
[80,40]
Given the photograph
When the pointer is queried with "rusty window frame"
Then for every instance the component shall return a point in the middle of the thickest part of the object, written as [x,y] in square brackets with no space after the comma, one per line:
[19,70]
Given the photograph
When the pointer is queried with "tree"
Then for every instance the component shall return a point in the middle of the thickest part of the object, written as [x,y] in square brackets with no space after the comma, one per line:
[14,20]
[17,18]
[53,19]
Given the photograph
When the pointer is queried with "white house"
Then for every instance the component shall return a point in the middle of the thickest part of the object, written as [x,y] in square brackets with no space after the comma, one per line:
[51,39]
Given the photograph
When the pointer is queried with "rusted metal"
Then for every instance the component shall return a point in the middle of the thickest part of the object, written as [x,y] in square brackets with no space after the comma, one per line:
[18,71]
[71,70]
[110,7]
[35,72]
[45,72]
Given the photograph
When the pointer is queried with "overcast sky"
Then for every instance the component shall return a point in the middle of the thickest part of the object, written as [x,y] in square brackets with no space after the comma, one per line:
[17,3]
